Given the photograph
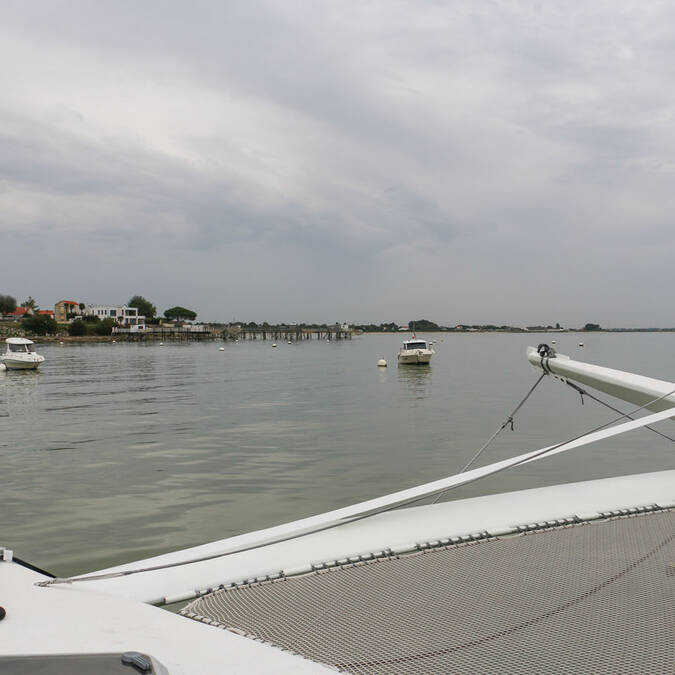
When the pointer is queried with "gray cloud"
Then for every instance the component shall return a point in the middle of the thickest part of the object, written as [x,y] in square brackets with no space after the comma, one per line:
[507,162]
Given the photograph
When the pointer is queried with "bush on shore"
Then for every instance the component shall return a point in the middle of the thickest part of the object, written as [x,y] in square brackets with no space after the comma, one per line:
[77,328]
[39,324]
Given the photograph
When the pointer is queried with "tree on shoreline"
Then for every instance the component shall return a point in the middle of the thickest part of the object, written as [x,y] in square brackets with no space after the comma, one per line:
[145,307]
[7,304]
[39,324]
[422,325]
[30,303]
[180,314]
[77,328]
[105,327]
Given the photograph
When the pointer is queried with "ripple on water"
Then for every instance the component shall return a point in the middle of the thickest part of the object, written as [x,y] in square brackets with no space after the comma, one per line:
[113,452]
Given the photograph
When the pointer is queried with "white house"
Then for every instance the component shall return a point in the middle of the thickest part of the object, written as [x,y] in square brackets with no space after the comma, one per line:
[127,317]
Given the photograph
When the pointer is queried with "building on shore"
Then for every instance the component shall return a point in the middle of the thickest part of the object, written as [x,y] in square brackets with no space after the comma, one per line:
[67,310]
[19,313]
[127,317]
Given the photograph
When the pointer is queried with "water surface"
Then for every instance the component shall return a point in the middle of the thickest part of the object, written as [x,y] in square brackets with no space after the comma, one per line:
[118,451]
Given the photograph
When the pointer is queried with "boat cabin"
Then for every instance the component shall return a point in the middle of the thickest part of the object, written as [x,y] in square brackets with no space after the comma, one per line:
[19,345]
[415,344]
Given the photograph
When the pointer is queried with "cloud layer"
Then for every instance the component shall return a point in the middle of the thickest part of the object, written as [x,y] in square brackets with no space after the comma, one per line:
[506,162]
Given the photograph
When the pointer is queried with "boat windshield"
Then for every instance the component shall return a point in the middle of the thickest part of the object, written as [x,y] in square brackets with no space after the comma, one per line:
[414,345]
[20,348]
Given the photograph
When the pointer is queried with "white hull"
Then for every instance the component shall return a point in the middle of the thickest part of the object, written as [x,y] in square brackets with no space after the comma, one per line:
[415,356]
[20,355]
[13,363]
[95,617]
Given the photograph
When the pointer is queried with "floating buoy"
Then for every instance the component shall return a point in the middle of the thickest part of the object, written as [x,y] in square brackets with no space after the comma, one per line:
[289,342]
[222,349]
[114,341]
[274,344]
[62,342]
[382,363]
[552,342]
[581,344]
[161,344]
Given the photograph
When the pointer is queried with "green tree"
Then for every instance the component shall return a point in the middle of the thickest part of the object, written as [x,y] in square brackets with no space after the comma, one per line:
[105,327]
[77,327]
[30,303]
[39,324]
[592,326]
[145,307]
[180,314]
[422,324]
[7,304]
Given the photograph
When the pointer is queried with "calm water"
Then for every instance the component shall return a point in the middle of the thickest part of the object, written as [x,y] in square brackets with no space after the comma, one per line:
[119,451]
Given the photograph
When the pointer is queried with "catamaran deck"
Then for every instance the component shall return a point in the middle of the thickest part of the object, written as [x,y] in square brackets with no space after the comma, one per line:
[581,597]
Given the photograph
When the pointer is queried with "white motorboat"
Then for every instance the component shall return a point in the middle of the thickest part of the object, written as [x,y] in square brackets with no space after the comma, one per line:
[20,355]
[415,351]
[569,578]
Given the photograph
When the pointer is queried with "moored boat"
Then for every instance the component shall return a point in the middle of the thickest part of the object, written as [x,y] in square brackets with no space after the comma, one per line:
[415,351]
[20,355]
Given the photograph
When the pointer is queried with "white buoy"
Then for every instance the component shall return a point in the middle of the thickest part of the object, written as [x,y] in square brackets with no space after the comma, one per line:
[114,341]
[581,344]
[552,342]
[289,342]
[382,363]
[274,344]
[222,349]
[62,342]
[161,344]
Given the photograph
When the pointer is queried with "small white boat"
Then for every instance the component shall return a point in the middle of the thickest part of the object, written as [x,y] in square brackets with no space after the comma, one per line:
[415,351]
[20,355]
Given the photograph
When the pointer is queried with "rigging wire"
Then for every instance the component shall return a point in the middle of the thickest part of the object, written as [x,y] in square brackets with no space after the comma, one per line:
[507,422]
[583,392]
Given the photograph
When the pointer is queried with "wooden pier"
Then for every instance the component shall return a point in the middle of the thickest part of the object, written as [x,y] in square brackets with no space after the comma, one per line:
[167,334]
[287,333]
[231,332]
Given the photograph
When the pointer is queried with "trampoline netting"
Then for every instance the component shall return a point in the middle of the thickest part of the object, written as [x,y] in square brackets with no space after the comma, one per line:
[585,598]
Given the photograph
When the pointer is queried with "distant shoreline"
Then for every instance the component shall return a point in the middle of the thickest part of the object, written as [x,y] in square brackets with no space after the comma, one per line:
[526,332]
[150,338]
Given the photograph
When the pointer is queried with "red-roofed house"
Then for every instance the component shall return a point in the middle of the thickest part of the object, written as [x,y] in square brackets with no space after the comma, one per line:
[19,313]
[64,310]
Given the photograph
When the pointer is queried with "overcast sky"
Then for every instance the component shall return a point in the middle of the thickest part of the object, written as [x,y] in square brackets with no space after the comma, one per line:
[465,162]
